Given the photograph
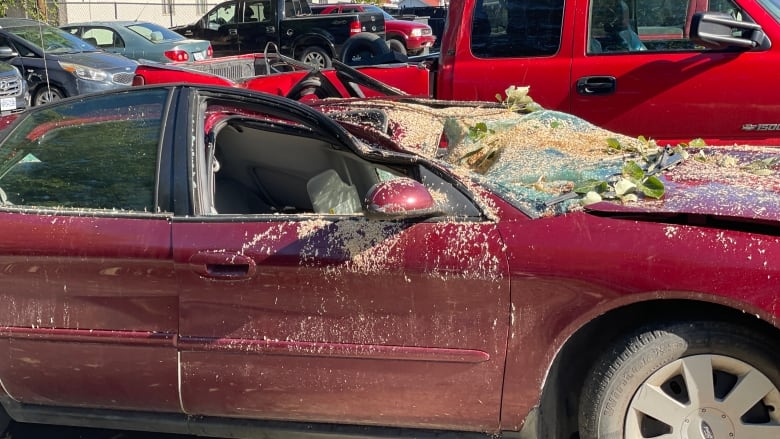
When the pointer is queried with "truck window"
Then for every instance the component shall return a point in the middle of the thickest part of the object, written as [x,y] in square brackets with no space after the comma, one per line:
[221,15]
[516,28]
[619,26]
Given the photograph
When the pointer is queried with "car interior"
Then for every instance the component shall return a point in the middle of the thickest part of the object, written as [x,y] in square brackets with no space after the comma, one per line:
[268,167]
[259,169]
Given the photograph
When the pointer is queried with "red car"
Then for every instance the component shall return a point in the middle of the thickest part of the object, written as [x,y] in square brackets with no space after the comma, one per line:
[404,36]
[218,261]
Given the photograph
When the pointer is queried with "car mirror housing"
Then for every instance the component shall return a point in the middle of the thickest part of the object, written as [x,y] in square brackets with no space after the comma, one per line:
[400,198]
[7,52]
[716,30]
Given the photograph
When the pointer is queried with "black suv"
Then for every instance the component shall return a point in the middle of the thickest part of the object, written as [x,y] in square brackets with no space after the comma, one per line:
[57,64]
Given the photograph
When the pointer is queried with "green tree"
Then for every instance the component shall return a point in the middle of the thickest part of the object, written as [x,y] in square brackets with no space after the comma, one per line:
[44,10]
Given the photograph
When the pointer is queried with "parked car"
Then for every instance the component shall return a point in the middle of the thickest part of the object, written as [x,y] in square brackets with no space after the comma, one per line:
[13,89]
[404,36]
[57,64]
[141,40]
[218,261]
[248,26]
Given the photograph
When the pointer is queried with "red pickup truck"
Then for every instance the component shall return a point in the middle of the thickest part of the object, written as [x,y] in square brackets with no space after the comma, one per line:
[672,70]
[404,36]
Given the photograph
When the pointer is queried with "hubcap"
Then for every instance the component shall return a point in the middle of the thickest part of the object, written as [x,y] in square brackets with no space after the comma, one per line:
[705,397]
[707,423]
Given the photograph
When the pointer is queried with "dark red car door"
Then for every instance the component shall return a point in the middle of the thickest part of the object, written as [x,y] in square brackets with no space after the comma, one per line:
[294,314]
[331,325]
[89,312]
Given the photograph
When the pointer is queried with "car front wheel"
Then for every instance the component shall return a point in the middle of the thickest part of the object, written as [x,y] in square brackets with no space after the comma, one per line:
[696,380]
[45,94]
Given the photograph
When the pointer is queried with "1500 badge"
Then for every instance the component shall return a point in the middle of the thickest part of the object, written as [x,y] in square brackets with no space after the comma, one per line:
[761,127]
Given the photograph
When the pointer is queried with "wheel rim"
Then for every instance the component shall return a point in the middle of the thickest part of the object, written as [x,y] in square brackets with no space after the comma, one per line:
[705,396]
[314,58]
[46,96]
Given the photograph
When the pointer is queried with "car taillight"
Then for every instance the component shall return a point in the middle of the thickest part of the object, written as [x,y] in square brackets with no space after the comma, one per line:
[444,145]
[354,27]
[209,52]
[177,55]
[138,80]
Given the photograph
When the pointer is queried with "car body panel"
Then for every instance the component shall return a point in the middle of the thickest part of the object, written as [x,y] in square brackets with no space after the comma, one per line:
[345,331]
[249,72]
[121,38]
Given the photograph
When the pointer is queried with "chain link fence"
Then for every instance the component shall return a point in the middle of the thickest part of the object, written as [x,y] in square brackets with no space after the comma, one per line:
[167,13]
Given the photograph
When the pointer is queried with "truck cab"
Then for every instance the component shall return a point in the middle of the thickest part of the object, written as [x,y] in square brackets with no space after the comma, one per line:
[672,70]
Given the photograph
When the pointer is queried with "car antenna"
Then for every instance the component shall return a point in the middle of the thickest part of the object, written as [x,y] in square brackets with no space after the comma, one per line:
[140,12]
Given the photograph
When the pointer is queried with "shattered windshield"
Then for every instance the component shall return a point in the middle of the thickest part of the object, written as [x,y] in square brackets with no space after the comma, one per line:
[51,39]
[548,163]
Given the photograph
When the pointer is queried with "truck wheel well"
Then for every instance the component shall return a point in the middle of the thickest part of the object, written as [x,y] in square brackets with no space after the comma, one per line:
[302,45]
[561,394]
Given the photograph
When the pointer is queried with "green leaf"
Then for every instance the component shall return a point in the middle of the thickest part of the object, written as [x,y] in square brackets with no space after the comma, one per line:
[613,143]
[590,198]
[624,186]
[470,153]
[698,143]
[633,171]
[652,187]
[584,187]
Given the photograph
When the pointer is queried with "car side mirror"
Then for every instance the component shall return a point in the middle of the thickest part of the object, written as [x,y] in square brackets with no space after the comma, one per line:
[7,52]
[400,198]
[715,30]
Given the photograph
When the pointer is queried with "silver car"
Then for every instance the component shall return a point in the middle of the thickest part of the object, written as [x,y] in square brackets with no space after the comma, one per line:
[14,96]
[141,41]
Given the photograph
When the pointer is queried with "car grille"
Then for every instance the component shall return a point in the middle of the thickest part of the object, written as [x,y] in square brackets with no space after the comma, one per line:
[124,78]
[10,87]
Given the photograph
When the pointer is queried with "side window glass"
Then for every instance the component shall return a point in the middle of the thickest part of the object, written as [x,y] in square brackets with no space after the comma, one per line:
[516,28]
[256,11]
[620,26]
[221,15]
[103,38]
[86,154]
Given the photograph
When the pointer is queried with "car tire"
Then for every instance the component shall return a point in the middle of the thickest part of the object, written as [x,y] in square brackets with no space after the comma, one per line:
[316,57]
[363,49]
[45,95]
[700,379]
[396,46]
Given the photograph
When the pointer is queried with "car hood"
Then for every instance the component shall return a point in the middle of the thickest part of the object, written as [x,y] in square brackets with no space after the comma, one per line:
[5,67]
[738,183]
[99,60]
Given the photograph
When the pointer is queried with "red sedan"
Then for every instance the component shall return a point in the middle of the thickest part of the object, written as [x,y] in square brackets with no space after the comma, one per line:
[218,261]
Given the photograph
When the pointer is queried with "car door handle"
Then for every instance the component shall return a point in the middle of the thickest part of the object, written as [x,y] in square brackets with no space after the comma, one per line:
[223,265]
[596,85]
[232,32]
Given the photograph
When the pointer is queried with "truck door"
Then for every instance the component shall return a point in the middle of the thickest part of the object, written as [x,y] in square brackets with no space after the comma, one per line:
[220,27]
[256,26]
[504,43]
[638,72]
